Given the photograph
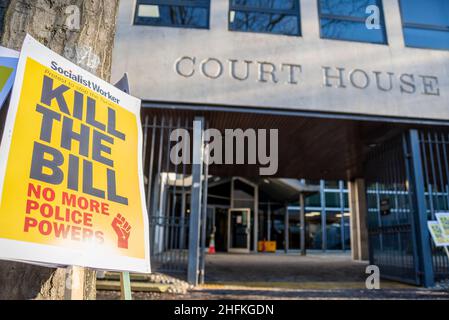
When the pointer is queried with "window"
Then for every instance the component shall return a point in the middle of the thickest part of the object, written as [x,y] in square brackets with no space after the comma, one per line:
[173,13]
[426,23]
[265,16]
[332,199]
[346,20]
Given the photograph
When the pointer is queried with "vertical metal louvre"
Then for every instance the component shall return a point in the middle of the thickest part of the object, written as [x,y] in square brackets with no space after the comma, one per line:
[392,240]
[394,235]
[168,190]
[434,152]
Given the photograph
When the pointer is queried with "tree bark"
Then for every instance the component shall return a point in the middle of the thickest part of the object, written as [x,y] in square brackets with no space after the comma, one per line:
[54,23]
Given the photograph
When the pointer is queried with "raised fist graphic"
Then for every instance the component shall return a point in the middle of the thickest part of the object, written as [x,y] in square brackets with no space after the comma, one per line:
[122,229]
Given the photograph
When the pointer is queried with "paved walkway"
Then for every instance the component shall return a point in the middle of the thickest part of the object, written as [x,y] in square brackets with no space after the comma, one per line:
[315,276]
[314,271]
[281,276]
[233,293]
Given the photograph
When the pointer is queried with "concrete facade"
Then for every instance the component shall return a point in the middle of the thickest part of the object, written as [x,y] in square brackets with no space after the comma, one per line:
[221,67]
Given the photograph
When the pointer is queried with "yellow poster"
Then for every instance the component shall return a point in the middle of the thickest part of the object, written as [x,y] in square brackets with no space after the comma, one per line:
[437,234]
[443,220]
[70,167]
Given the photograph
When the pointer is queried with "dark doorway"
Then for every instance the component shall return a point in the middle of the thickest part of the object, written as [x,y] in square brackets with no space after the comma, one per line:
[221,231]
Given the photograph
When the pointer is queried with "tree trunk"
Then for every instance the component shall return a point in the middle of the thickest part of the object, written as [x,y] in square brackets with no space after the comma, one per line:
[86,39]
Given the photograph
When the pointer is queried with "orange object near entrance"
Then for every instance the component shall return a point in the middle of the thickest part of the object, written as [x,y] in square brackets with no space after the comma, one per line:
[266,246]
[211,244]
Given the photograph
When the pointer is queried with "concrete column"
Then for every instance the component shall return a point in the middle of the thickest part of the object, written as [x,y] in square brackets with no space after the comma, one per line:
[302,219]
[195,207]
[358,216]
[393,24]
[256,218]
[286,229]
[269,222]
[323,216]
[231,205]
[342,212]
[309,17]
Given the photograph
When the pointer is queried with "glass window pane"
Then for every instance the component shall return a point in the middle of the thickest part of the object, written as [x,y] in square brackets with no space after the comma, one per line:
[346,200]
[268,4]
[422,38]
[331,184]
[347,231]
[314,234]
[348,30]
[332,199]
[433,12]
[313,201]
[350,8]
[294,234]
[148,11]
[173,16]
[261,22]
[333,231]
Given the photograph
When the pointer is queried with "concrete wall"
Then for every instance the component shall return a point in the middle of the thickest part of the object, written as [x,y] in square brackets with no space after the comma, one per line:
[150,55]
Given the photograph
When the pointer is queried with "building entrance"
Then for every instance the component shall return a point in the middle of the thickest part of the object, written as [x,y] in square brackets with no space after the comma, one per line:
[219,229]
[239,230]
[391,178]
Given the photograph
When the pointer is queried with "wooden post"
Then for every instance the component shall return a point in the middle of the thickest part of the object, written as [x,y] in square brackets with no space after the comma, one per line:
[74,283]
[125,281]
[125,286]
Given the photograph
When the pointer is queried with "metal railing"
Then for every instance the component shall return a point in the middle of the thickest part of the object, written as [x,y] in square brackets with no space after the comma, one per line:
[169,193]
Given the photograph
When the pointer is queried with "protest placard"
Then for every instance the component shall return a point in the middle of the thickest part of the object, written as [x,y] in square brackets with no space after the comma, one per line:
[71,178]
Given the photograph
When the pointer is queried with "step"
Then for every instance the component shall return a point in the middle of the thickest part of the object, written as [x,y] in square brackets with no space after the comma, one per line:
[135,286]
[133,276]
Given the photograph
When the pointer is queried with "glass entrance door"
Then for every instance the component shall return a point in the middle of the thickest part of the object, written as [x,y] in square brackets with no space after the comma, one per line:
[238,230]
